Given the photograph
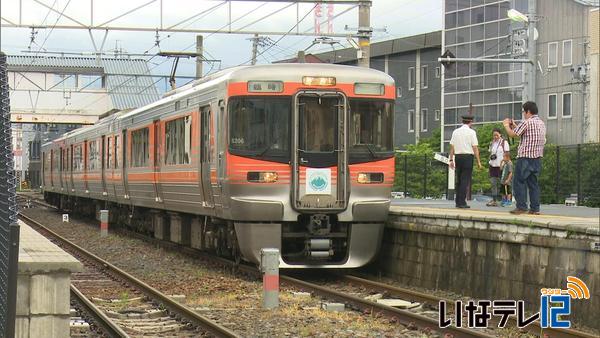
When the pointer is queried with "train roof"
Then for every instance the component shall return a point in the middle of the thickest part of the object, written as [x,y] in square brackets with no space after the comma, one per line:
[286,72]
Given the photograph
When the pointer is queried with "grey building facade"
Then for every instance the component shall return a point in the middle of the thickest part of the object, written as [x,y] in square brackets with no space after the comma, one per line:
[412,62]
[482,29]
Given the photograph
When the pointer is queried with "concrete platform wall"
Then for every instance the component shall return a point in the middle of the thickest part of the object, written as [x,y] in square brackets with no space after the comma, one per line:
[487,258]
[43,287]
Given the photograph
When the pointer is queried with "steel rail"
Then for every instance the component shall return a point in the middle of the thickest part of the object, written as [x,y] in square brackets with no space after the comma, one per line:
[181,310]
[402,316]
[102,320]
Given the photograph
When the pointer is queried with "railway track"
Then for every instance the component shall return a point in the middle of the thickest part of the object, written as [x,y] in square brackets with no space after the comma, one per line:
[139,310]
[403,316]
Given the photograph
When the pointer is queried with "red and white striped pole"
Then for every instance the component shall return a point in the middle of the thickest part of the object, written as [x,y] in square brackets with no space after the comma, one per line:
[103,223]
[269,266]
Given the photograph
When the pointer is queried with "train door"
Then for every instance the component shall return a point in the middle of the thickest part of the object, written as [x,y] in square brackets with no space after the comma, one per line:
[61,168]
[219,145]
[205,155]
[320,159]
[156,165]
[104,153]
[124,163]
[71,182]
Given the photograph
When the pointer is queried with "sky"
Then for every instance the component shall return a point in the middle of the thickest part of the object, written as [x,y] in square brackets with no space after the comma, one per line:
[398,17]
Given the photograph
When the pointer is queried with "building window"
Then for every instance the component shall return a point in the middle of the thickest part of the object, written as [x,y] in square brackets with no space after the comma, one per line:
[424,77]
[438,72]
[65,81]
[552,54]
[411,78]
[399,92]
[90,82]
[567,53]
[140,155]
[411,121]
[178,141]
[437,115]
[552,106]
[566,105]
[424,124]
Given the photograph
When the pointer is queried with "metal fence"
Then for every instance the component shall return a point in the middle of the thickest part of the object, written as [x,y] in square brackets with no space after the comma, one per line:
[9,229]
[568,172]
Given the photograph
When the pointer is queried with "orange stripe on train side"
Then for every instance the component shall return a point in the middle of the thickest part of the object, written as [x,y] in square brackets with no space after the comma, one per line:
[291,88]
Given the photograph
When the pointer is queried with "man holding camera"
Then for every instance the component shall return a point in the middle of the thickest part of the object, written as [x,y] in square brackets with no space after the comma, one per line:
[463,147]
[532,132]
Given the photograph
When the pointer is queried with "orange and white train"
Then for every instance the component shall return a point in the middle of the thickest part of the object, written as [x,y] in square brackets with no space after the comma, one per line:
[297,157]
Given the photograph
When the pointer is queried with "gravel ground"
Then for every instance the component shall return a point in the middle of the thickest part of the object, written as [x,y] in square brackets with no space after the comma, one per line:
[232,300]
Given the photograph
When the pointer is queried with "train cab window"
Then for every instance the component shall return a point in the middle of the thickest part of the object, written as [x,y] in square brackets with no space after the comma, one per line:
[140,154]
[259,127]
[178,141]
[371,127]
[318,124]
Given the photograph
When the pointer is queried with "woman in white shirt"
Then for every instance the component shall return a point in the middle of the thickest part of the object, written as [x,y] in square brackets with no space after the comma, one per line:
[497,148]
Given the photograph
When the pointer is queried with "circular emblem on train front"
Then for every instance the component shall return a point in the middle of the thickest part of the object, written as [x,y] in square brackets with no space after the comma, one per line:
[318,181]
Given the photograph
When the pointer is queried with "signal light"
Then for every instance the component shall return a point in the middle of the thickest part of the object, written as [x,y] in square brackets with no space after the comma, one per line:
[261,177]
[368,178]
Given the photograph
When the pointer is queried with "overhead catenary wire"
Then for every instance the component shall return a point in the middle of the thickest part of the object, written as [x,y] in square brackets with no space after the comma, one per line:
[45,39]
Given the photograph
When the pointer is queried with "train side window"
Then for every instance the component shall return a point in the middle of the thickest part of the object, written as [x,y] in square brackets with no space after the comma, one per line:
[204,126]
[178,141]
[93,155]
[117,148]
[77,158]
[109,153]
[140,155]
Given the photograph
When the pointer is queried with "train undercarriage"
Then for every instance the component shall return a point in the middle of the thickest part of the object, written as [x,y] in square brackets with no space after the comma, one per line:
[315,240]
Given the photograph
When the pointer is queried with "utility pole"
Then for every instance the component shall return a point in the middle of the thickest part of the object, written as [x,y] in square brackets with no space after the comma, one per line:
[364,34]
[254,48]
[529,72]
[199,53]
[258,41]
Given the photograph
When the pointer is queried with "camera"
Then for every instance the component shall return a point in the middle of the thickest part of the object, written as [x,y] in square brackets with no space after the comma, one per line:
[493,157]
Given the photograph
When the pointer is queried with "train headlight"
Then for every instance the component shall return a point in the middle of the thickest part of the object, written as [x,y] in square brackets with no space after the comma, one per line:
[318,81]
[366,178]
[262,177]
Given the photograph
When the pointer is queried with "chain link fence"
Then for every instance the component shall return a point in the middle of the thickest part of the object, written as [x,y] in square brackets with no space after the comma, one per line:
[9,229]
[568,172]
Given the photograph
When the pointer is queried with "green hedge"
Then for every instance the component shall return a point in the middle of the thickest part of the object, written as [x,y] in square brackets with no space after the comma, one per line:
[577,170]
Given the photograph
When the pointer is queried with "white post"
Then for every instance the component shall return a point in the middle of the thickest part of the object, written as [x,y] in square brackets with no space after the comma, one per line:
[103,223]
[269,266]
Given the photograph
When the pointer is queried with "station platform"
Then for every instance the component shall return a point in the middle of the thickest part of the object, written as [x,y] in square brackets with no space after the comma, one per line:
[43,286]
[558,216]
[487,253]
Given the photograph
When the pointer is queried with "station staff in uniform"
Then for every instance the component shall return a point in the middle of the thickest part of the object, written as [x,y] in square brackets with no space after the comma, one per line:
[463,147]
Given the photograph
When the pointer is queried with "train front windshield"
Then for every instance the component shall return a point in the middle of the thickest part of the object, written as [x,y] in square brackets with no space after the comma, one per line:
[371,128]
[259,127]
